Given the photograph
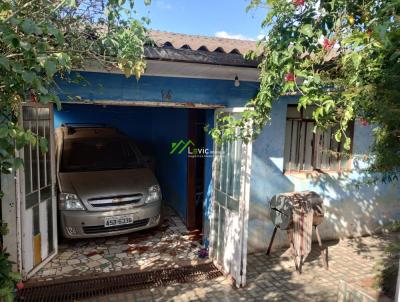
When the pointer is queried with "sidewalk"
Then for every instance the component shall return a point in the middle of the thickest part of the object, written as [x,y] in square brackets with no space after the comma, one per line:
[274,278]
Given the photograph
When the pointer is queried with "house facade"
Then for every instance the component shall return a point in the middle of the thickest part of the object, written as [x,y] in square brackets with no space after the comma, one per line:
[189,80]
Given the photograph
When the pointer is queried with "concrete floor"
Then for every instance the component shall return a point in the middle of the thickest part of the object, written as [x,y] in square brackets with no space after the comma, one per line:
[170,245]
[275,279]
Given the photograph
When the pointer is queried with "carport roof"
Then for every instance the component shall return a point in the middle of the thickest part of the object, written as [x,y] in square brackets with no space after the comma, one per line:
[176,47]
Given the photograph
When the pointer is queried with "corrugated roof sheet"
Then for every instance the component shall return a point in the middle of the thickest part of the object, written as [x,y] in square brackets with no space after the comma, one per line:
[193,42]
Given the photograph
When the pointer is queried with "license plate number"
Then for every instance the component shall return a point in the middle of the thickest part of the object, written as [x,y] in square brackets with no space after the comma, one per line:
[118,220]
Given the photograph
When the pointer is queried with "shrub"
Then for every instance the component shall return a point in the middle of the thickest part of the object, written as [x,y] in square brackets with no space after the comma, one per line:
[8,279]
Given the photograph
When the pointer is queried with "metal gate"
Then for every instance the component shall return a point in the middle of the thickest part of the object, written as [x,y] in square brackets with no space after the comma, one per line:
[38,208]
[230,210]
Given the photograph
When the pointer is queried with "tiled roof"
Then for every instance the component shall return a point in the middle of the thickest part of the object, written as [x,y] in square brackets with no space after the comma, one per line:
[211,44]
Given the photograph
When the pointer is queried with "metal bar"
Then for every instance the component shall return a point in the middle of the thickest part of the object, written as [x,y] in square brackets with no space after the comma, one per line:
[46,153]
[299,126]
[339,159]
[30,160]
[86,287]
[37,153]
[330,148]
[305,144]
[290,150]
[272,240]
[299,119]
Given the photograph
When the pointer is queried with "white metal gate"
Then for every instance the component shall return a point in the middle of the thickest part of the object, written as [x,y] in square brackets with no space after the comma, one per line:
[38,208]
[230,209]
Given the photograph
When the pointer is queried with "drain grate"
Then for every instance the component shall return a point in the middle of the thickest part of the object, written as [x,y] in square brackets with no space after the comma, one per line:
[81,289]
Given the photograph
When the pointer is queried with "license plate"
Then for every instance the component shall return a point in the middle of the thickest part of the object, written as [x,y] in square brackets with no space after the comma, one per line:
[118,220]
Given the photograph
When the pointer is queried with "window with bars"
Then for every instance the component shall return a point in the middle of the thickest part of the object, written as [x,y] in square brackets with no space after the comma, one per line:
[308,151]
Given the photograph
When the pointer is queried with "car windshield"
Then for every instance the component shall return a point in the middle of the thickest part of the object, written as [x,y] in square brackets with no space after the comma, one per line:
[98,154]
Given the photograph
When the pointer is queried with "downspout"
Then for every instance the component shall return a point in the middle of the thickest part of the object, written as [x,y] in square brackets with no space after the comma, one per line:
[18,201]
[19,222]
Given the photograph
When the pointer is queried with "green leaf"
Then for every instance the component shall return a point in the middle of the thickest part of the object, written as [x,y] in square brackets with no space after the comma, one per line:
[15,21]
[4,131]
[71,3]
[28,76]
[50,67]
[4,62]
[43,145]
[356,58]
[317,113]
[18,163]
[347,143]
[42,89]
[45,99]
[63,59]
[11,38]
[56,33]
[25,45]
[307,30]
[395,55]
[15,276]
[30,27]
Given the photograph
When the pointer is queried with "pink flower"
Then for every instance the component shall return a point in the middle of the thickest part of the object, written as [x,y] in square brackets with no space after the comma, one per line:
[327,44]
[20,285]
[363,122]
[289,77]
[298,2]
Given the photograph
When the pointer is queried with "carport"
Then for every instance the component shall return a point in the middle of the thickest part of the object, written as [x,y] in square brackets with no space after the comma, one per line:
[180,94]
[154,130]
[182,180]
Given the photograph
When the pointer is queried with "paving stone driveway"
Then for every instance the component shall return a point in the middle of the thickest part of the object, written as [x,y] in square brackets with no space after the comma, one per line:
[170,245]
[274,279]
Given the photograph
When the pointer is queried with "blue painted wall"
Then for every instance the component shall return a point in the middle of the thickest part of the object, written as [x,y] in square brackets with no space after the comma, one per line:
[351,210]
[118,87]
[170,125]
[155,128]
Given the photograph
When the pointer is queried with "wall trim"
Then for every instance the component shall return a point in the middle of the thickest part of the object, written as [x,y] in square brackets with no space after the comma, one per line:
[146,104]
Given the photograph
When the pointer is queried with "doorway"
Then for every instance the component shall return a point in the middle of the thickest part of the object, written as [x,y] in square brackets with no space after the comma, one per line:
[230,205]
[196,166]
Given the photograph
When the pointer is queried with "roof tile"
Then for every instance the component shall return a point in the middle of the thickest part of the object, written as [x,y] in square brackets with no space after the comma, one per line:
[168,39]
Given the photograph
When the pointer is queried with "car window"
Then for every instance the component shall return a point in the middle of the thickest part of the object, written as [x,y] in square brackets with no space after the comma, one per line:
[98,154]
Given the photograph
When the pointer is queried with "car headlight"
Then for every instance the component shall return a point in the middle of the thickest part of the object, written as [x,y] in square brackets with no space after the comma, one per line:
[154,194]
[69,201]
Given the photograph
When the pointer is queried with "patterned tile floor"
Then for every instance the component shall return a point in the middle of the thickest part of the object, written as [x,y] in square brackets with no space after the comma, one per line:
[274,278]
[170,245]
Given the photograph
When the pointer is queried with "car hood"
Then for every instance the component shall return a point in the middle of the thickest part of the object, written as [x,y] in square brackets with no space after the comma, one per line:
[106,183]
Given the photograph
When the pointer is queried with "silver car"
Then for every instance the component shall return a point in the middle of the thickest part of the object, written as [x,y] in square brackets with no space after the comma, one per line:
[105,187]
